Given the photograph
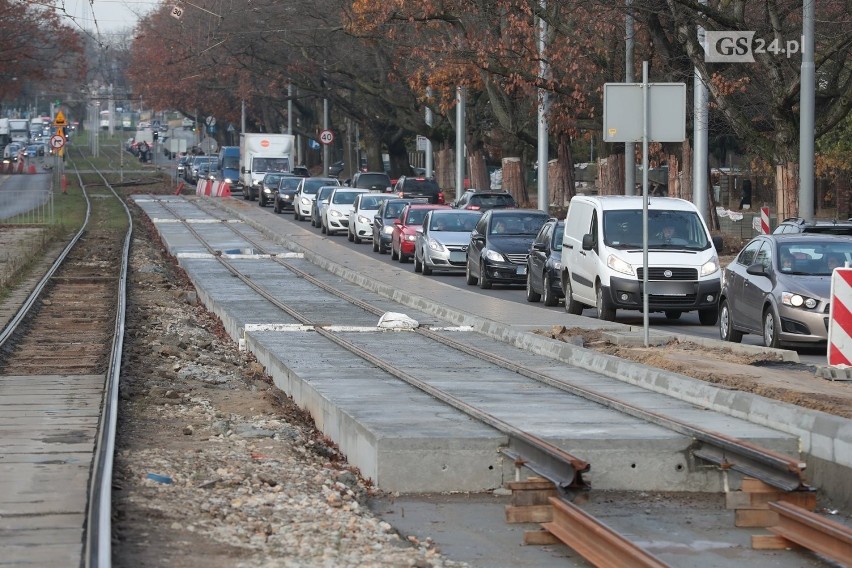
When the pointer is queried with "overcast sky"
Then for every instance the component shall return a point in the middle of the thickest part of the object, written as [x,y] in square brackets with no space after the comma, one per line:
[111,15]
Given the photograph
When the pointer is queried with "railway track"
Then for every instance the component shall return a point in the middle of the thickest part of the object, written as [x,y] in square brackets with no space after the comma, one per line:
[59,362]
[527,450]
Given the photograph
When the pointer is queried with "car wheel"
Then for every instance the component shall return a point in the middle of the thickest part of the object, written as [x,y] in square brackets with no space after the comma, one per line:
[605,310]
[549,298]
[393,252]
[322,228]
[356,239]
[674,314]
[771,328]
[246,194]
[375,244]
[425,267]
[470,279]
[276,207]
[296,215]
[484,282]
[532,295]
[261,200]
[418,267]
[708,316]
[726,324]
[350,236]
[571,306]
[402,257]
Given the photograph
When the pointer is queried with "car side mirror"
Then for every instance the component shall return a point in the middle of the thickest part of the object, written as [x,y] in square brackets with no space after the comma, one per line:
[242,170]
[419,230]
[588,242]
[397,222]
[756,269]
[539,247]
[477,237]
[717,242]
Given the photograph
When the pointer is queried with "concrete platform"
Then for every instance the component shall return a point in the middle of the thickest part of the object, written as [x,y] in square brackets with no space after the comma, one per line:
[400,437]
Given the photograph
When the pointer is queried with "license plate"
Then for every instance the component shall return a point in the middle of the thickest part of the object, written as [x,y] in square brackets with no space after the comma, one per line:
[670,288]
[457,256]
[521,270]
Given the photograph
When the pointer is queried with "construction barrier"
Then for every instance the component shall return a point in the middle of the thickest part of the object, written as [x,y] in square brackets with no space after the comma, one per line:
[840,319]
[212,188]
[764,220]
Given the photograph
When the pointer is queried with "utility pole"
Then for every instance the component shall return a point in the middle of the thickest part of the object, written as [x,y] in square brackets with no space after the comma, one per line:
[543,103]
[629,147]
[460,135]
[807,96]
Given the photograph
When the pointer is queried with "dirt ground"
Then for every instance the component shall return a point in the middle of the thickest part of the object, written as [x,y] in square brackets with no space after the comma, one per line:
[760,375]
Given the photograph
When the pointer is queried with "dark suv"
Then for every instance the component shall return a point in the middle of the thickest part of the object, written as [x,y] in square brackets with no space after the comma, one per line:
[413,187]
[374,181]
[794,225]
[485,200]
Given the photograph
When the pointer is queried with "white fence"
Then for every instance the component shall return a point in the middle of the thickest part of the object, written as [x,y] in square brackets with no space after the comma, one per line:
[26,207]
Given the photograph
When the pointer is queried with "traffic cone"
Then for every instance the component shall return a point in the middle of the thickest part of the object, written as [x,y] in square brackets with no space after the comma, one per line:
[31,169]
[64,184]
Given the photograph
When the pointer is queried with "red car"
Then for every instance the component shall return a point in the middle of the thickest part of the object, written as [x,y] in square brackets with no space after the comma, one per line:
[405,229]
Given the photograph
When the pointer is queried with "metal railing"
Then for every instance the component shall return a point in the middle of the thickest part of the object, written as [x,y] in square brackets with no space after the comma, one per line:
[26,207]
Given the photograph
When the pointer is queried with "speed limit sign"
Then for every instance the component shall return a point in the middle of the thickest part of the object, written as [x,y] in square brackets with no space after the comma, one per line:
[326,137]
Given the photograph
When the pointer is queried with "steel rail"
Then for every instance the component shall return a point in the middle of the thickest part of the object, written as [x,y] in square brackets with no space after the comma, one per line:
[565,469]
[774,468]
[599,544]
[811,531]
[98,537]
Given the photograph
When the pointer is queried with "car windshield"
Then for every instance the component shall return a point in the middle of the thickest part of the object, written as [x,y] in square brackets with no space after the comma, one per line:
[371,202]
[454,222]
[415,216]
[271,165]
[289,183]
[517,224]
[393,210]
[312,185]
[367,180]
[486,201]
[230,162]
[344,197]
[816,258]
[270,180]
[622,229]
[324,192]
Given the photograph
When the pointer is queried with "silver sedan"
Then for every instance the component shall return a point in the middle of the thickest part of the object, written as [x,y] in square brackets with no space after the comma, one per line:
[441,243]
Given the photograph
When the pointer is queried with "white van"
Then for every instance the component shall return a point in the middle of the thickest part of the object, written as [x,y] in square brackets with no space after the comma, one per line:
[602,257]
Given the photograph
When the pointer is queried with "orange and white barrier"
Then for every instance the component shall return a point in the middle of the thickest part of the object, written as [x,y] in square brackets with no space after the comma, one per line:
[764,220]
[212,188]
[840,319]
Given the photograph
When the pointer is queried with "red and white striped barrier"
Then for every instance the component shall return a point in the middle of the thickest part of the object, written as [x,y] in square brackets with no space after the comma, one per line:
[212,188]
[840,319]
[764,221]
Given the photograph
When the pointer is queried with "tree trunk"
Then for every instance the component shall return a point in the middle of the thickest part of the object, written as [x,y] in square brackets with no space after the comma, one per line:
[611,175]
[561,175]
[841,191]
[786,190]
[513,180]
[674,175]
[478,172]
[445,167]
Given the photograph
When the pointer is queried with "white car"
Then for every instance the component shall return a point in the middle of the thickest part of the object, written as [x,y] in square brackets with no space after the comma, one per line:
[335,215]
[363,211]
[306,194]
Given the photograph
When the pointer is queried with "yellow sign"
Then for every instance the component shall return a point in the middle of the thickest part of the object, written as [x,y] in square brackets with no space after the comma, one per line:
[59,120]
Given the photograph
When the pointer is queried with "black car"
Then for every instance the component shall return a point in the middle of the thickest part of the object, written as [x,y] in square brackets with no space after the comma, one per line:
[794,225]
[374,181]
[389,211]
[413,187]
[268,187]
[544,264]
[500,244]
[285,195]
[485,200]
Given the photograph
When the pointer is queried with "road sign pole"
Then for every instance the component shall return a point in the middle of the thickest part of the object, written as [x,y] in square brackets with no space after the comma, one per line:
[645,201]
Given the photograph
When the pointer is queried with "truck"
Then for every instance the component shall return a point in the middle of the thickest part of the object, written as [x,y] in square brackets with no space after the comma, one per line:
[229,165]
[5,133]
[19,130]
[175,147]
[262,153]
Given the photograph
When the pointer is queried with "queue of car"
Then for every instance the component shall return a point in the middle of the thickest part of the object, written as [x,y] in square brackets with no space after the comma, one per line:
[778,286]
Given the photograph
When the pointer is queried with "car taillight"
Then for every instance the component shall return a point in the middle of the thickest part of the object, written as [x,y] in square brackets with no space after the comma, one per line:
[473,207]
[441,197]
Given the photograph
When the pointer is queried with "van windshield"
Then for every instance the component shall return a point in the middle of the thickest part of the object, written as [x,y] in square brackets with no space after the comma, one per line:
[622,229]
[230,162]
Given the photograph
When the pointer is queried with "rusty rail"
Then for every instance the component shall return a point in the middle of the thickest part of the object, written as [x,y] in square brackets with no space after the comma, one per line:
[593,540]
[811,531]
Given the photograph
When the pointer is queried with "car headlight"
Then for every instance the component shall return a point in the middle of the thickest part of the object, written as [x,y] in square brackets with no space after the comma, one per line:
[364,220]
[267,190]
[619,265]
[557,266]
[387,229]
[305,201]
[494,256]
[797,300]
[335,213]
[229,180]
[410,238]
[710,266]
[435,245]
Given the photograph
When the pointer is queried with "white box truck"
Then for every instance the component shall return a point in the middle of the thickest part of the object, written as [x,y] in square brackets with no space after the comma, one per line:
[19,130]
[260,154]
[602,257]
